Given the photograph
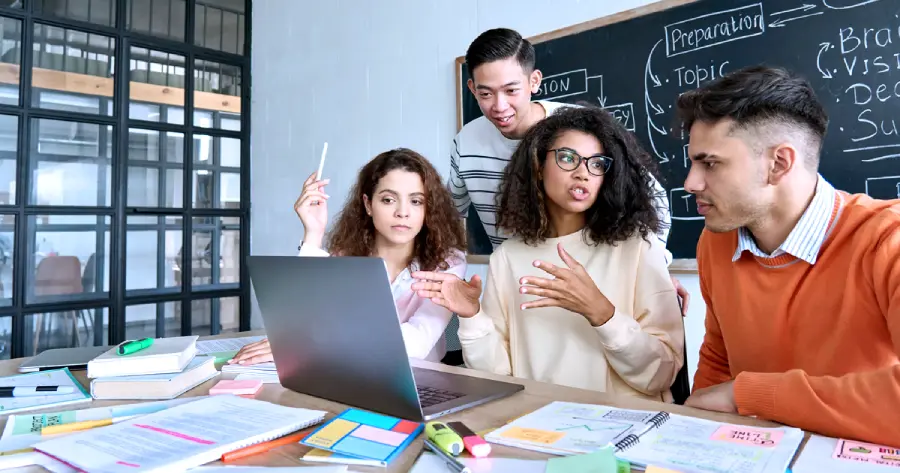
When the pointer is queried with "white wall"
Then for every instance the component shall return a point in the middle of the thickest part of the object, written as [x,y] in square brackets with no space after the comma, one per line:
[367,77]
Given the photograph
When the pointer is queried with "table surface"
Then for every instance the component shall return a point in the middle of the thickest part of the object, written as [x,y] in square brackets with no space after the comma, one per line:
[486,416]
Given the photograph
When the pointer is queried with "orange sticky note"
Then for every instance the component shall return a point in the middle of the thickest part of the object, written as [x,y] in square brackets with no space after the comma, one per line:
[659,469]
[745,435]
[533,435]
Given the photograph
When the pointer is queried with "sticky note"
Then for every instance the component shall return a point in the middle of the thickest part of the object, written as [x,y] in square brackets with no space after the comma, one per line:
[601,461]
[331,433]
[745,435]
[234,386]
[867,453]
[358,447]
[533,435]
[369,418]
[405,427]
[375,434]
[659,469]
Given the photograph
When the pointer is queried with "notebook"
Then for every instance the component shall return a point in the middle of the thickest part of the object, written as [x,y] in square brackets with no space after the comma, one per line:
[156,386]
[179,438]
[363,434]
[847,456]
[60,377]
[166,355]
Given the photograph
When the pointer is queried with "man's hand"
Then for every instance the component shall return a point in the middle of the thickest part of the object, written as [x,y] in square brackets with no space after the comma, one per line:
[570,288]
[719,398]
[683,294]
[449,291]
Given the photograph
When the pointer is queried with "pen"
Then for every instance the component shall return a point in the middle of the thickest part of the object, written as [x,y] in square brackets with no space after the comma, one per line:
[264,446]
[132,346]
[23,391]
[454,464]
[81,425]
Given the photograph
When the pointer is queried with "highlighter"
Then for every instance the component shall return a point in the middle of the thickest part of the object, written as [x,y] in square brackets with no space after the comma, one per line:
[444,437]
[473,443]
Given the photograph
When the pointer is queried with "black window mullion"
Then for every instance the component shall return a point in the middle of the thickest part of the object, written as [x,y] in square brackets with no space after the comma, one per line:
[187,235]
[120,195]
[245,307]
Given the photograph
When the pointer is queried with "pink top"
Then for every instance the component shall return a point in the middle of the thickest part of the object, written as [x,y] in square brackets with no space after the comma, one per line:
[422,322]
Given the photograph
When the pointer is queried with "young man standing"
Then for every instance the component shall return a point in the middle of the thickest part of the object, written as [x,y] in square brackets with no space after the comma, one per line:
[502,65]
[801,281]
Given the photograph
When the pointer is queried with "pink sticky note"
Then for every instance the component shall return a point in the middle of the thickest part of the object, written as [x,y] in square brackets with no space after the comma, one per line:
[234,386]
[867,453]
[375,434]
[746,435]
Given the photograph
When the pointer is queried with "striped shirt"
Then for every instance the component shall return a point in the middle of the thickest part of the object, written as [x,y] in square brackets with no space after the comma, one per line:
[805,240]
[477,162]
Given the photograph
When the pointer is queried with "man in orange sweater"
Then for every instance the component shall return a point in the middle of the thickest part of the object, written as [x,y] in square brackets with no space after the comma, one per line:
[801,281]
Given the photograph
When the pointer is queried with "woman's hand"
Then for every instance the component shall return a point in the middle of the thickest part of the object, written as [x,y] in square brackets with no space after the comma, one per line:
[253,353]
[570,288]
[312,209]
[449,291]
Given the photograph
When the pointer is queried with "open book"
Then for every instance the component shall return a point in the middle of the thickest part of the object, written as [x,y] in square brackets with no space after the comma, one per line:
[684,444]
[179,438]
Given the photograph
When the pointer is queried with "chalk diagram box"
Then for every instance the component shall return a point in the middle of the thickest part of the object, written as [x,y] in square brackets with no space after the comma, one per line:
[886,187]
[683,205]
[624,113]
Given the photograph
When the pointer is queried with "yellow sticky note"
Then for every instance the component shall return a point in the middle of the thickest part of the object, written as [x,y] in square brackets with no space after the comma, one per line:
[331,433]
[659,469]
[533,435]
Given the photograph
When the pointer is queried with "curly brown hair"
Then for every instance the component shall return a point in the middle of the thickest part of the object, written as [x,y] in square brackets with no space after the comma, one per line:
[442,232]
[625,204]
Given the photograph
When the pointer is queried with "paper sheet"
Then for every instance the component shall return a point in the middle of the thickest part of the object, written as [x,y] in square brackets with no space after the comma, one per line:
[265,378]
[24,430]
[206,347]
[60,377]
[430,463]
[269,469]
[818,456]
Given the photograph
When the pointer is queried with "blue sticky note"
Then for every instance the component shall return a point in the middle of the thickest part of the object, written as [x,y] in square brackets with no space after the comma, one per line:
[369,418]
[358,447]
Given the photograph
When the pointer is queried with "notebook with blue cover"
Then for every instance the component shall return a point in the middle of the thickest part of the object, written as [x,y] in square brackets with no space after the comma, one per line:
[363,434]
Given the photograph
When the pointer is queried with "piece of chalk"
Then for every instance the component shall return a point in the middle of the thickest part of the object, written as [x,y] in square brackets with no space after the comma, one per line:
[322,162]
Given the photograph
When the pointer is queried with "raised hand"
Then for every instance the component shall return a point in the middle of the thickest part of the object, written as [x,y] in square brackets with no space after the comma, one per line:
[570,288]
[253,353]
[312,208]
[449,291]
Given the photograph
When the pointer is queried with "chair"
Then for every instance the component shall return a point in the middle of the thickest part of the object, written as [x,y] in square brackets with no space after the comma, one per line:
[681,387]
[56,276]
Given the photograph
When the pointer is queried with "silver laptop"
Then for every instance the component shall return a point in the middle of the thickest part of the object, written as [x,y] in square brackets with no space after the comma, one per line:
[335,334]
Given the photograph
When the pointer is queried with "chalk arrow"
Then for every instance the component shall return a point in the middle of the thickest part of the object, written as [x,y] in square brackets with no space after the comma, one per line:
[804,7]
[602,101]
[780,23]
[656,108]
[826,74]
[898,190]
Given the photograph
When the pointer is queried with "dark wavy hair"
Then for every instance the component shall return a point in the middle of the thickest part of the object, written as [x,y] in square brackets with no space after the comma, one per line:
[354,232]
[625,204]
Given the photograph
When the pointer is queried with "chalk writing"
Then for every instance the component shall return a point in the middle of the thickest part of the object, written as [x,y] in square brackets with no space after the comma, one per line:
[713,29]
[562,85]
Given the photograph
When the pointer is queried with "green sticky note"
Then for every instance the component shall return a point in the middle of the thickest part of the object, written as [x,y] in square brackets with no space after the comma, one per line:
[601,461]
[623,466]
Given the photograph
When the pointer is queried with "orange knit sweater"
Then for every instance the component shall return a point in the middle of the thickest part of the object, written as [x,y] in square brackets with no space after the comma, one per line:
[816,347]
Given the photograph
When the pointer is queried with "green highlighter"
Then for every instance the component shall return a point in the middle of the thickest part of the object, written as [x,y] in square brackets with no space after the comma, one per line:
[444,437]
[132,346]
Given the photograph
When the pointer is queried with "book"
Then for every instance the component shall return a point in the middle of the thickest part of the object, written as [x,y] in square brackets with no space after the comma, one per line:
[644,438]
[363,434]
[156,386]
[847,456]
[317,455]
[58,377]
[166,355]
[179,438]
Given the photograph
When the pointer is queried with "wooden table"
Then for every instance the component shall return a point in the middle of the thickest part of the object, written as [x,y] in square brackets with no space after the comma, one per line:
[486,416]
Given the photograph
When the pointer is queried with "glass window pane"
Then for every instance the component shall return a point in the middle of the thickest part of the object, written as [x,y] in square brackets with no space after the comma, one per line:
[69,165]
[11,3]
[74,328]
[153,252]
[148,177]
[68,257]
[219,24]
[162,18]
[215,239]
[72,70]
[157,84]
[140,320]
[9,139]
[7,247]
[5,338]
[10,59]
[228,309]
[102,12]
[217,88]
[217,174]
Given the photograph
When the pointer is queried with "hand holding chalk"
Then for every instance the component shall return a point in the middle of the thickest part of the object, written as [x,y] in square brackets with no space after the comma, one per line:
[312,209]
[319,172]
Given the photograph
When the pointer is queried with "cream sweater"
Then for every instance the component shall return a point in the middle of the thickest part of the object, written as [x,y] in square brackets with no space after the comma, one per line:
[637,352]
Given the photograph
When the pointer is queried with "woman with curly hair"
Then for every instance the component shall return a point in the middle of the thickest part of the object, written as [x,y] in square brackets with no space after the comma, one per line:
[400,211]
[580,295]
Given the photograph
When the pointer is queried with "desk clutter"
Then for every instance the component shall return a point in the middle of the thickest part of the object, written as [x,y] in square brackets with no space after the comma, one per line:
[171,433]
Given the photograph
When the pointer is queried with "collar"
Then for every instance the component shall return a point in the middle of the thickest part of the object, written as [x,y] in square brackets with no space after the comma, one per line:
[805,240]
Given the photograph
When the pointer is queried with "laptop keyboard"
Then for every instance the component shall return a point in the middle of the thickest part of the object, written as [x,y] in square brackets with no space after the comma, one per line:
[431,396]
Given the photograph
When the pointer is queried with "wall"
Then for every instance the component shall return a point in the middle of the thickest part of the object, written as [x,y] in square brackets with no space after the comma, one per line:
[370,76]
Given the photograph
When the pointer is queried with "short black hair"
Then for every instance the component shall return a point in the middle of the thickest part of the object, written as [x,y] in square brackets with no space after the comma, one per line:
[757,96]
[626,204]
[498,44]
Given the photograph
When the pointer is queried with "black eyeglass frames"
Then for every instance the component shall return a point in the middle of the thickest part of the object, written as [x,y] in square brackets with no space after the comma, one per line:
[569,160]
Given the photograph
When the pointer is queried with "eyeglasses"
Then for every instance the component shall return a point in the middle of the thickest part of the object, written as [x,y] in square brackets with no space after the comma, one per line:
[568,160]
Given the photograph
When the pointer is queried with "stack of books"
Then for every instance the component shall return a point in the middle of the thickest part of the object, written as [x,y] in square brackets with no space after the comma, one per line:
[165,370]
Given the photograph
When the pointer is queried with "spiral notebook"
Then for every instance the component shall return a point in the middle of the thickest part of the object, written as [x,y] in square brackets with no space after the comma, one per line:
[179,438]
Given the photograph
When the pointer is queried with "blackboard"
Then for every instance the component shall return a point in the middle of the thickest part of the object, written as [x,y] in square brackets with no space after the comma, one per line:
[636,63]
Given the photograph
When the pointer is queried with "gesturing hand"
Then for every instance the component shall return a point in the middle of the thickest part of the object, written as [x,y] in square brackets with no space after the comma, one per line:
[571,288]
[449,291]
[253,353]
[312,206]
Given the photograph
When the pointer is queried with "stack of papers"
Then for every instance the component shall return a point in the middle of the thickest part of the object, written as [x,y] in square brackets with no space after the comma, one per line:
[61,377]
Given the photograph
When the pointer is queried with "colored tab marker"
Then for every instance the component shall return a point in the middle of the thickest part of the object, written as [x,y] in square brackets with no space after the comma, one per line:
[601,461]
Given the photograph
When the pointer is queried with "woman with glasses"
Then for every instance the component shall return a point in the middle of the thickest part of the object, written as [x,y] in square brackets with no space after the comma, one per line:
[580,294]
